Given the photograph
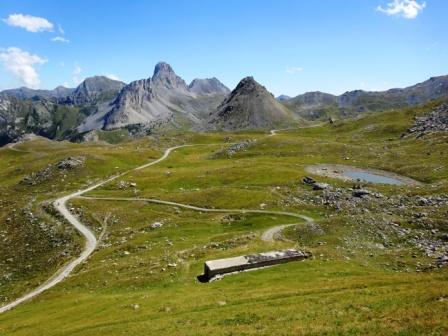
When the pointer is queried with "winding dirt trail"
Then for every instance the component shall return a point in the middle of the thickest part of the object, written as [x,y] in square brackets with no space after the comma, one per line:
[272,234]
[91,242]
[60,205]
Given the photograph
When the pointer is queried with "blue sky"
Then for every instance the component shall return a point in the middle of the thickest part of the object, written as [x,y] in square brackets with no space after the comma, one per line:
[289,46]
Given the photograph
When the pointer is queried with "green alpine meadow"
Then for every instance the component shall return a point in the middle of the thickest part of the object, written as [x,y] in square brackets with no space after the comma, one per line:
[135,202]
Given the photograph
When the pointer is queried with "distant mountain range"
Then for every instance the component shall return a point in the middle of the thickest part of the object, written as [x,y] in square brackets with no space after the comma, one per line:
[318,105]
[205,104]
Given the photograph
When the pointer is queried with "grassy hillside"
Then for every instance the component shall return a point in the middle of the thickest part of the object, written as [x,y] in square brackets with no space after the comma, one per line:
[369,274]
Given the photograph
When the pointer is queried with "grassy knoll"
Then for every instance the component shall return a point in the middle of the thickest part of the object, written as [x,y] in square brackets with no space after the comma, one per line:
[367,276]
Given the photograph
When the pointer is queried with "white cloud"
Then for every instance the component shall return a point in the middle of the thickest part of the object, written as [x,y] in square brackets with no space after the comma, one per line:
[406,8]
[60,39]
[76,72]
[292,70]
[112,76]
[22,65]
[32,24]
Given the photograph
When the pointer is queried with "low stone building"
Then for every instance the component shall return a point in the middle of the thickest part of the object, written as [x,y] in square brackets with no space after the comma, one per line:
[213,268]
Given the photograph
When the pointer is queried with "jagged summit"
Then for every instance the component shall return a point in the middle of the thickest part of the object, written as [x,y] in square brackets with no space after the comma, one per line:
[248,85]
[164,76]
[162,68]
[159,99]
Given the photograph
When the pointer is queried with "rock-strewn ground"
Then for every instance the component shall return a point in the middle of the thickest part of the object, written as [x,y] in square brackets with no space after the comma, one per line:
[435,121]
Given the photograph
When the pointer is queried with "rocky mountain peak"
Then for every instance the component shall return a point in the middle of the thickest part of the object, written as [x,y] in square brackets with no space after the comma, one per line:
[100,83]
[208,86]
[283,98]
[248,84]
[163,69]
[164,76]
[94,89]
[250,105]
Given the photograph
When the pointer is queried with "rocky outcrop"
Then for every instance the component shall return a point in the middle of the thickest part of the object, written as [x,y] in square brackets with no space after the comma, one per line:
[40,116]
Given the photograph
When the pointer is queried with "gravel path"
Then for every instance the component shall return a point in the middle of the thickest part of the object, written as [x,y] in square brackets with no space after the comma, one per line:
[274,230]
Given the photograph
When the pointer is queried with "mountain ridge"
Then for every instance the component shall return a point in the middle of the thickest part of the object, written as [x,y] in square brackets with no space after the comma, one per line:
[166,99]
[317,105]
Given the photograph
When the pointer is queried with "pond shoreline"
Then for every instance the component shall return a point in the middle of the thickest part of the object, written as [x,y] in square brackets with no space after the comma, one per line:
[339,171]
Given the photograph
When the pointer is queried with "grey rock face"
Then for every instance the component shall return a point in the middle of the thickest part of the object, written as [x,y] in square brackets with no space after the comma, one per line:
[95,89]
[208,86]
[164,98]
[136,103]
[165,77]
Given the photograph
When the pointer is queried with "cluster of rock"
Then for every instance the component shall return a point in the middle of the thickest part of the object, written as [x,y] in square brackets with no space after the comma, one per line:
[50,170]
[435,121]
[420,227]
[316,185]
[356,192]
[38,177]
[123,185]
[238,147]
[71,162]
[156,225]
[234,149]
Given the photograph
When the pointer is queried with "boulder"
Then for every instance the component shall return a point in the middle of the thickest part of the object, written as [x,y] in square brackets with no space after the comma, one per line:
[361,192]
[321,186]
[71,163]
[308,180]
